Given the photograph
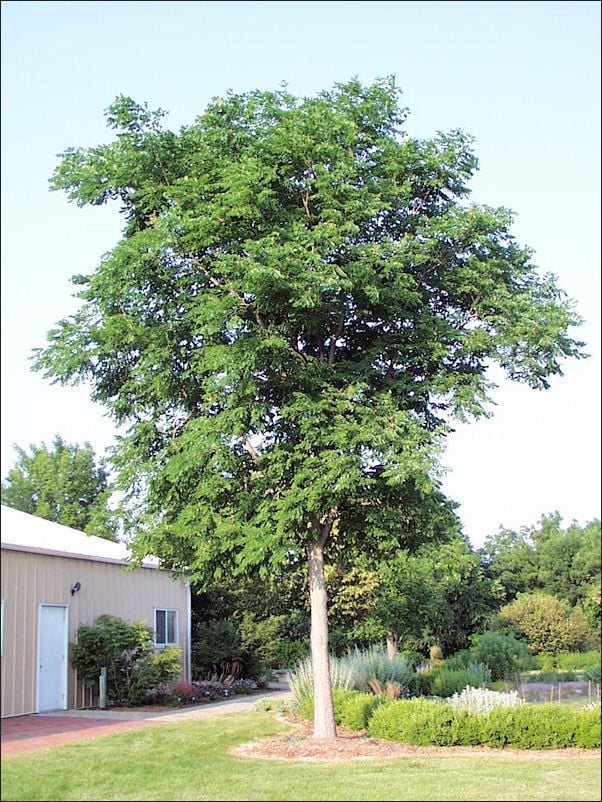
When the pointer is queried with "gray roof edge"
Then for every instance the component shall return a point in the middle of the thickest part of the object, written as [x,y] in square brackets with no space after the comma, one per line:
[76,556]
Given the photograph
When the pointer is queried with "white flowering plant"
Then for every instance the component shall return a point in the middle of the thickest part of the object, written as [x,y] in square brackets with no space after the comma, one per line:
[479,700]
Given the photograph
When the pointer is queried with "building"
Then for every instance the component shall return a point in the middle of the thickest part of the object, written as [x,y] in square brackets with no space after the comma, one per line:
[55,579]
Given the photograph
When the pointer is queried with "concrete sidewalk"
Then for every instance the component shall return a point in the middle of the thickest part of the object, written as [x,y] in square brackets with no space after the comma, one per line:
[233,705]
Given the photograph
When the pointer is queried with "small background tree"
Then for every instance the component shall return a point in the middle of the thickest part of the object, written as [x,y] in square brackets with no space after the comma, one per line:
[66,484]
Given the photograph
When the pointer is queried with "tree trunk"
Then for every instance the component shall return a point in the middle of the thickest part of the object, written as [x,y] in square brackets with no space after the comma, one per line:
[324,723]
[392,645]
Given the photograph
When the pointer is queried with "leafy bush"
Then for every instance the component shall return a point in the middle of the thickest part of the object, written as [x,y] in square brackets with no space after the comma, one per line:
[412,659]
[568,661]
[124,648]
[419,722]
[184,693]
[276,705]
[503,654]
[593,674]
[543,726]
[587,731]
[216,648]
[254,646]
[549,624]
[242,686]
[354,709]
[444,682]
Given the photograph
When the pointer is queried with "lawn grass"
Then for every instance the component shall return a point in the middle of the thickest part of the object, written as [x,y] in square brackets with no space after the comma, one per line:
[190,761]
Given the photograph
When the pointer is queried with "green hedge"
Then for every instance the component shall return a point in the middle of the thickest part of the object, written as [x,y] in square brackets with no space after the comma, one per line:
[354,709]
[422,722]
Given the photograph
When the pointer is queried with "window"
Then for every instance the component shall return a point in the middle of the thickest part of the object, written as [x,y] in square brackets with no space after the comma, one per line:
[166,627]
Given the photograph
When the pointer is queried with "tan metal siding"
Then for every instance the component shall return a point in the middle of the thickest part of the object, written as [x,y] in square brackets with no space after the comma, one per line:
[29,580]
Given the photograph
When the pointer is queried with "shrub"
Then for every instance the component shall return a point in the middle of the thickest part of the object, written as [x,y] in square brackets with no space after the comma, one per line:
[354,709]
[211,689]
[446,683]
[549,624]
[215,649]
[423,722]
[504,655]
[184,693]
[124,648]
[587,730]
[568,661]
[276,705]
[542,726]
[412,659]
[419,722]
[243,686]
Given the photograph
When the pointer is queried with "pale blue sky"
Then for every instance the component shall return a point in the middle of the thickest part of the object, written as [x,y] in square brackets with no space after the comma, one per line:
[522,77]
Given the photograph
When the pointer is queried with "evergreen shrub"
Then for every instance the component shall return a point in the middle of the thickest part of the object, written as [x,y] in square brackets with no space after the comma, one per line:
[354,709]
[422,722]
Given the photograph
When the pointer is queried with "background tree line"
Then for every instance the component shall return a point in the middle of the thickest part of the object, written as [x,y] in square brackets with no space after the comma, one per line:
[541,583]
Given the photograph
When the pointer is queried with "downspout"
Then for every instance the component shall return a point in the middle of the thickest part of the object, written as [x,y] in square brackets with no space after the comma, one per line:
[189,635]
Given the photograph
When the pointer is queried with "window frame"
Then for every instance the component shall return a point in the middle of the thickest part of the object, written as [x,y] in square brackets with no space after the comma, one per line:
[168,613]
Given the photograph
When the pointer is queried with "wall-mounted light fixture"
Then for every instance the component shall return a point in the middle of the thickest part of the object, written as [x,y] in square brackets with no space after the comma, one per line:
[75,588]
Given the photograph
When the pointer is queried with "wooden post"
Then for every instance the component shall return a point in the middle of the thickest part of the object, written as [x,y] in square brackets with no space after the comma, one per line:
[103,688]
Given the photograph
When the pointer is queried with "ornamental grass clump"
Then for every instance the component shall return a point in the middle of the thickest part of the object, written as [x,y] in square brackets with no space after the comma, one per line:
[302,684]
[480,700]
[375,672]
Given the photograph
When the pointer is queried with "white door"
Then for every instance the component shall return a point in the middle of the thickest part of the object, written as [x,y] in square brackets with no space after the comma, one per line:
[52,658]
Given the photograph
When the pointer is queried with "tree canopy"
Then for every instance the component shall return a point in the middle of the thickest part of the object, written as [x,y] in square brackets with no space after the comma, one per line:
[66,483]
[552,560]
[301,302]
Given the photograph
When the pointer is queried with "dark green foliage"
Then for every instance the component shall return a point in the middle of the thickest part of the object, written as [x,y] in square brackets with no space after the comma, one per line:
[564,563]
[503,654]
[125,649]
[445,682]
[244,643]
[66,484]
[216,647]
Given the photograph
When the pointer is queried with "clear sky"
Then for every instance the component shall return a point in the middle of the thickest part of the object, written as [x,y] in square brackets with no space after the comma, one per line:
[522,77]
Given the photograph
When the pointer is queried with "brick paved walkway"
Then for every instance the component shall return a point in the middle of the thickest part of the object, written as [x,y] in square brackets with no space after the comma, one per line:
[43,731]
[28,733]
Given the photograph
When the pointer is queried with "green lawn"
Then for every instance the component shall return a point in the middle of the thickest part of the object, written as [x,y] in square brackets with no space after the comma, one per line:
[190,761]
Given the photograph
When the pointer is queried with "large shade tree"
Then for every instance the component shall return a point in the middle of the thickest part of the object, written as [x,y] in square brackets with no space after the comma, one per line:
[302,300]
